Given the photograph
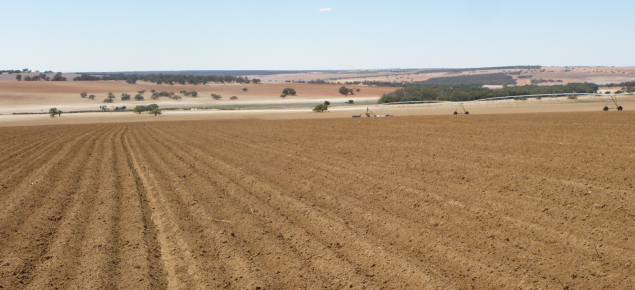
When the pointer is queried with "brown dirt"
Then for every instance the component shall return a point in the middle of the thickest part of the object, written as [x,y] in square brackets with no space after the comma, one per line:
[529,201]
[18,97]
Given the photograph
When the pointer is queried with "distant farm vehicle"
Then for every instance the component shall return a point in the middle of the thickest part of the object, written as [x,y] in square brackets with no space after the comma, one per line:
[456,111]
[612,98]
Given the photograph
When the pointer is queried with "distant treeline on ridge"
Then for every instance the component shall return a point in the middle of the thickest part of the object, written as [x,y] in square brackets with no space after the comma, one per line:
[167,79]
[466,80]
[470,93]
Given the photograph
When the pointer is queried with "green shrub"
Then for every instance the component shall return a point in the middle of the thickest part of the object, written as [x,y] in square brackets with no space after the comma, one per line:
[320,108]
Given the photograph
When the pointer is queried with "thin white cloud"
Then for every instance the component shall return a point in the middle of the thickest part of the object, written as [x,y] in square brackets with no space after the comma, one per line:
[325,9]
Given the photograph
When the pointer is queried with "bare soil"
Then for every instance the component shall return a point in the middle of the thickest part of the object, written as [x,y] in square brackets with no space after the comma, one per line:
[19,97]
[528,201]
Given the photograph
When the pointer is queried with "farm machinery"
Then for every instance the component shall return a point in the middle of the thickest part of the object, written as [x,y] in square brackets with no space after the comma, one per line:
[612,98]
[367,112]
[456,111]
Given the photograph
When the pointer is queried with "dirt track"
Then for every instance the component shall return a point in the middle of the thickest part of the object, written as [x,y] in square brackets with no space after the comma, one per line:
[492,201]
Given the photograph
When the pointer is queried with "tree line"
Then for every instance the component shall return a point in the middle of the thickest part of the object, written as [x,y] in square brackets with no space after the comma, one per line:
[470,93]
[41,77]
[168,79]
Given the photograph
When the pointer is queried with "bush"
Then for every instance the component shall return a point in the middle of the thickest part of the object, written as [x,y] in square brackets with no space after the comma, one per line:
[176,97]
[351,101]
[572,97]
[320,108]
[111,95]
[141,92]
[216,97]
[84,94]
[244,89]
[327,103]
[233,98]
[138,97]
[92,97]
[283,96]
[125,97]
[107,100]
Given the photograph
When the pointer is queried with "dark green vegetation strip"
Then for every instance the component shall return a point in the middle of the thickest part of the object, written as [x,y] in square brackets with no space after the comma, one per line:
[469,93]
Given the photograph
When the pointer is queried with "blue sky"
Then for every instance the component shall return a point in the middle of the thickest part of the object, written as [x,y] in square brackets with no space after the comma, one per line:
[115,35]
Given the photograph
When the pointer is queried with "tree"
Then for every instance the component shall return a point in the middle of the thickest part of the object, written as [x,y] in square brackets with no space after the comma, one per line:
[152,91]
[156,112]
[111,95]
[123,108]
[107,100]
[92,97]
[320,108]
[155,96]
[84,94]
[56,78]
[194,94]
[52,112]
[283,96]
[216,97]
[152,107]
[288,91]
[233,98]
[125,97]
[141,92]
[176,97]
[357,90]
[255,81]
[327,103]
[139,109]
[346,91]
[59,113]
[18,77]
[244,89]
[138,97]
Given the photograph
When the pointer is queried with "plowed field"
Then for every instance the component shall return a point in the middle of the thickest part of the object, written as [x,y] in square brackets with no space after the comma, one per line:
[453,202]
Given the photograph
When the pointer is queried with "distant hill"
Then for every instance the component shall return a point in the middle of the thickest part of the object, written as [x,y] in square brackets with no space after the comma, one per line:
[233,73]
[516,67]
